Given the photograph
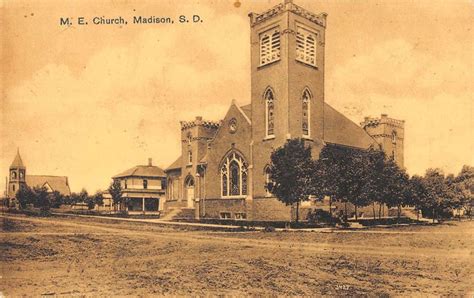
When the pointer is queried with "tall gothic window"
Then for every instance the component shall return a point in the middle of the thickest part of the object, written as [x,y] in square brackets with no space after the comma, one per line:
[394,137]
[269,113]
[306,41]
[268,181]
[306,113]
[269,46]
[234,176]
[190,157]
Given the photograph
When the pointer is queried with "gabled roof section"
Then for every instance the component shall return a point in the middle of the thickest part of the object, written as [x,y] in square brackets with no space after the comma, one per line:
[55,183]
[247,109]
[338,129]
[17,162]
[175,165]
[142,171]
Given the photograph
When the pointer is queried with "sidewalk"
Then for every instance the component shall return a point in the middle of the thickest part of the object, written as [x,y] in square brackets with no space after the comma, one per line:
[158,221]
[195,224]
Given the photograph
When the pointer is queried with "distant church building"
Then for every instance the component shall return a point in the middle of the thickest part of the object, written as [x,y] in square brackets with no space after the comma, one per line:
[223,168]
[18,179]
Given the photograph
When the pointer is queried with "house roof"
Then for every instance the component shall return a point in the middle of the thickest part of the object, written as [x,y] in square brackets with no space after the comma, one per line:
[175,165]
[57,183]
[338,129]
[142,171]
[17,162]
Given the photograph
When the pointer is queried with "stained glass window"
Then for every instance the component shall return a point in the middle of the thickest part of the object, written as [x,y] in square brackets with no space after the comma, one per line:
[234,176]
[306,102]
[269,113]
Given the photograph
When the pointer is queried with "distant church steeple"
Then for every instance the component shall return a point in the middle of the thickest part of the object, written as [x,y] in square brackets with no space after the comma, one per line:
[17,175]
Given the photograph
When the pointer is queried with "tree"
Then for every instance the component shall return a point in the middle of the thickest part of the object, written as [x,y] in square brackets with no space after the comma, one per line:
[348,175]
[374,188]
[74,198]
[436,191]
[291,171]
[56,198]
[99,198]
[419,194]
[464,183]
[331,174]
[83,196]
[115,190]
[42,200]
[397,191]
[25,196]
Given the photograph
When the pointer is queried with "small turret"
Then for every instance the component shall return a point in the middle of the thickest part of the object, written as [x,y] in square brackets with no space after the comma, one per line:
[389,133]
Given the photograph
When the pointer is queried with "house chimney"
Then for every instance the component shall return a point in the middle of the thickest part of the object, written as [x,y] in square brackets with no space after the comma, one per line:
[150,162]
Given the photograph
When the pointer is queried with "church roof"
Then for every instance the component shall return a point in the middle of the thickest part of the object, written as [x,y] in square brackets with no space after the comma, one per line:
[175,165]
[142,171]
[247,109]
[17,162]
[338,129]
[56,183]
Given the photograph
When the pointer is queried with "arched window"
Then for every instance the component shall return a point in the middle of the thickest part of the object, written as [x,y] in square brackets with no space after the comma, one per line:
[306,113]
[13,175]
[306,45]
[269,113]
[269,46]
[234,176]
[190,157]
[268,181]
[394,137]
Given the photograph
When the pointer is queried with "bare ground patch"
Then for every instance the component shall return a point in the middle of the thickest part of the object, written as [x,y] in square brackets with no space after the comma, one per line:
[89,257]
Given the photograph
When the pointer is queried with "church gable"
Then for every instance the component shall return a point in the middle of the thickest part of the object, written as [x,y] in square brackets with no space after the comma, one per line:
[235,128]
[48,187]
[233,136]
[53,183]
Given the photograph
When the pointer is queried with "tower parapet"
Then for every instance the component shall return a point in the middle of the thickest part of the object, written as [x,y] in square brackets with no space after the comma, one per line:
[199,122]
[287,5]
[389,133]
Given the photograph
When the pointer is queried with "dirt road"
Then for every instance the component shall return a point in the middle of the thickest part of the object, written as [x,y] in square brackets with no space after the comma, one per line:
[102,257]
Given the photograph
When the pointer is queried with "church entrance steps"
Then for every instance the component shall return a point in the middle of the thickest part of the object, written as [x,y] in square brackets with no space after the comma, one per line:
[179,214]
[169,214]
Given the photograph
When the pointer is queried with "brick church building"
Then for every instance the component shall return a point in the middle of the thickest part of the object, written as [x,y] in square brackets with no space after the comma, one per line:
[223,168]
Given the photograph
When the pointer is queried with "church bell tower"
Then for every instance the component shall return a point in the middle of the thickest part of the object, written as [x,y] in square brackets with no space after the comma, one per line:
[287,73]
[17,176]
[287,82]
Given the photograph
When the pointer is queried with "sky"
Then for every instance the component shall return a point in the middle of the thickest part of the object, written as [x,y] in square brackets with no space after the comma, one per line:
[89,102]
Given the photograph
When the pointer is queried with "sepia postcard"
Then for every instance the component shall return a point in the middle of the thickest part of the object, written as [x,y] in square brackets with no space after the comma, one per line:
[236,148]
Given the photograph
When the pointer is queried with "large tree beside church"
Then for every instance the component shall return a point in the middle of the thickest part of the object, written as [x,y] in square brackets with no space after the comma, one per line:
[291,171]
[347,175]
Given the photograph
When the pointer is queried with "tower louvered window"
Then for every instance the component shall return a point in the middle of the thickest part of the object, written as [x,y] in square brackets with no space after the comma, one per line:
[306,41]
[269,46]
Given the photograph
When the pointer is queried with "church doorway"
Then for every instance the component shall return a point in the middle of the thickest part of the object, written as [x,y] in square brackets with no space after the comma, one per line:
[189,186]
